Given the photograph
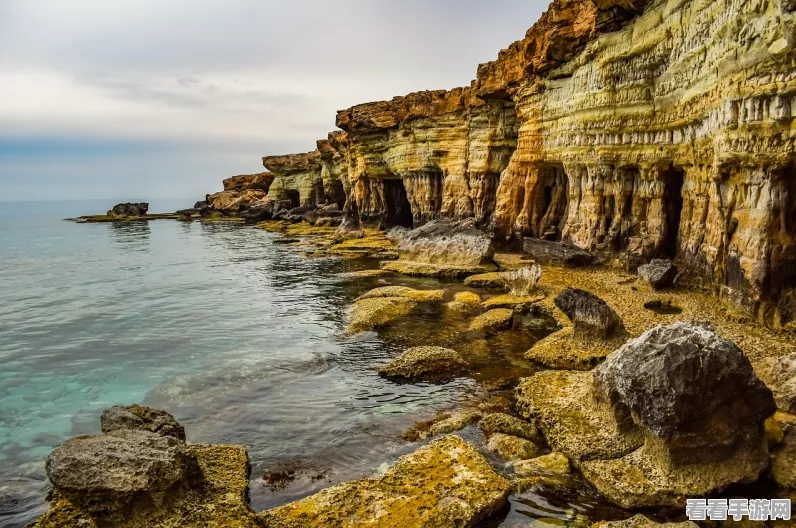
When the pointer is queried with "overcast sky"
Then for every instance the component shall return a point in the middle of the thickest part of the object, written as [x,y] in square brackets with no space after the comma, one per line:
[146,99]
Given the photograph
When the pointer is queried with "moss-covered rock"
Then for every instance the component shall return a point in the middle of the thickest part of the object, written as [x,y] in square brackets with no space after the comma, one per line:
[494,279]
[425,269]
[366,274]
[493,320]
[464,302]
[562,350]
[640,521]
[550,464]
[507,424]
[512,448]
[446,484]
[403,291]
[368,314]
[563,405]
[424,362]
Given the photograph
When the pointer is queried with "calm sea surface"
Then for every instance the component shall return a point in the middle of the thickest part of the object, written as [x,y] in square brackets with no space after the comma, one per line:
[239,338]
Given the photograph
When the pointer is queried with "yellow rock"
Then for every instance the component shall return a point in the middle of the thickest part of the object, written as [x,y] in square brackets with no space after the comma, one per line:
[403,291]
[368,314]
[497,319]
[511,301]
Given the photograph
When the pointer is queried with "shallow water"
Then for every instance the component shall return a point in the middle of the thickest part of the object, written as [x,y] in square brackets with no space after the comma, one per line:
[239,338]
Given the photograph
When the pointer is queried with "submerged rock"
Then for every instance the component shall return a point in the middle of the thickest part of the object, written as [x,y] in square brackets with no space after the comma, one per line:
[512,301]
[368,314]
[493,320]
[507,424]
[446,484]
[403,291]
[512,448]
[129,209]
[640,521]
[424,362]
[138,417]
[590,315]
[548,252]
[659,273]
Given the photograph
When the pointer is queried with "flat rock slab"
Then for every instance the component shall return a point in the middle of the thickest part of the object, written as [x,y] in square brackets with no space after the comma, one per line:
[563,405]
[424,269]
[368,314]
[404,291]
[424,362]
[493,320]
[507,424]
[494,279]
[562,350]
[446,484]
[550,464]
[371,273]
[223,502]
[548,252]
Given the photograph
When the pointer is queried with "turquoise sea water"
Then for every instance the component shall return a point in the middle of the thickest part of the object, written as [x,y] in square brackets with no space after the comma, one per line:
[239,338]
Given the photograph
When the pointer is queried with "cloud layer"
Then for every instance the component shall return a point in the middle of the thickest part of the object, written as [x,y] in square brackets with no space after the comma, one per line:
[216,84]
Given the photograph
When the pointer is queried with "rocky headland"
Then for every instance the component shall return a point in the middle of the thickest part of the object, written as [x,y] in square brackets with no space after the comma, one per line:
[621,183]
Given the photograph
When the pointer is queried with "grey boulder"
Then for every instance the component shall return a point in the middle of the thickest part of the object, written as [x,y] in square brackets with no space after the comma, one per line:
[590,315]
[659,273]
[138,417]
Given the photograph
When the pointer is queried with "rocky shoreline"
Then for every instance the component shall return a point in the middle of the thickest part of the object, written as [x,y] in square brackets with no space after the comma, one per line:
[622,183]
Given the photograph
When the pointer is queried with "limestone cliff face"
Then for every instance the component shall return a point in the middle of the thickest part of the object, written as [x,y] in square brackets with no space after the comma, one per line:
[261,181]
[426,155]
[632,128]
[672,136]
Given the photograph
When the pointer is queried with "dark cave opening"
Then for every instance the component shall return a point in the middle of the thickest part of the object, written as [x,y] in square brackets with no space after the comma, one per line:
[294,197]
[673,205]
[336,194]
[554,202]
[399,211]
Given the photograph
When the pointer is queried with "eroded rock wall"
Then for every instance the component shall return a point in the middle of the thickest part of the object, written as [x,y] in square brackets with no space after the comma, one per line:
[672,136]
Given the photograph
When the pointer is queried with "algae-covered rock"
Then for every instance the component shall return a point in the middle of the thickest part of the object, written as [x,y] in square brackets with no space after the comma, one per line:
[368,314]
[640,521]
[512,448]
[403,291]
[550,464]
[141,418]
[507,424]
[562,350]
[465,301]
[494,279]
[493,320]
[424,362]
[590,315]
[426,269]
[574,422]
[446,484]
[365,274]
[511,301]
[454,422]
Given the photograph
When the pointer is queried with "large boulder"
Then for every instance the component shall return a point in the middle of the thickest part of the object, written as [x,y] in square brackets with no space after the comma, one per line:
[659,273]
[105,474]
[424,362]
[590,315]
[701,409]
[138,417]
[446,484]
[129,209]
[549,252]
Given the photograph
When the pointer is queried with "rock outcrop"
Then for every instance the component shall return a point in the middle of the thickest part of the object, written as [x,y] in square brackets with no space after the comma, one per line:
[261,181]
[424,362]
[445,484]
[128,209]
[138,417]
[674,413]
[633,130]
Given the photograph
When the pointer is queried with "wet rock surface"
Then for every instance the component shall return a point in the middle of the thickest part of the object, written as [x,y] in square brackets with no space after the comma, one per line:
[512,448]
[550,464]
[425,362]
[138,417]
[446,484]
[368,314]
[590,315]
[403,291]
[507,424]
[129,209]
[659,273]
[640,521]
[548,252]
[493,320]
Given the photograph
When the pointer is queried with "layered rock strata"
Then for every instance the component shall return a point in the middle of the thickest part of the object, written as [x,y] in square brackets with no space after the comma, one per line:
[633,129]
